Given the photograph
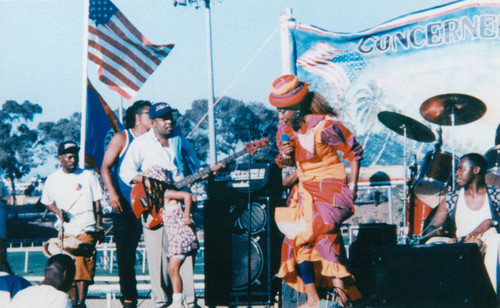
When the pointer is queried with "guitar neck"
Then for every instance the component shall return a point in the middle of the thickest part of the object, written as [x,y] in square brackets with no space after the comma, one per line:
[205,171]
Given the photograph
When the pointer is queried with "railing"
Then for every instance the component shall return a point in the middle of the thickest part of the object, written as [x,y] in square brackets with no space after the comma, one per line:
[105,254]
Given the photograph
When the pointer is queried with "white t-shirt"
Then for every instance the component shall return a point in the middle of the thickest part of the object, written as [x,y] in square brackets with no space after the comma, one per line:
[467,220]
[146,152]
[42,296]
[74,193]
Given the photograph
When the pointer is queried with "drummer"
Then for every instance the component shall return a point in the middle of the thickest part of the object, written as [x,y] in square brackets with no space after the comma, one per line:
[474,210]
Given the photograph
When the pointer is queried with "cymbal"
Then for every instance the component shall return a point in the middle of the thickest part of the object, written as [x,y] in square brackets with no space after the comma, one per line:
[414,129]
[438,109]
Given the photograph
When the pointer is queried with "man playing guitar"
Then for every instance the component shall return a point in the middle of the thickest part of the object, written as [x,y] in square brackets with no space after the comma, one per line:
[162,146]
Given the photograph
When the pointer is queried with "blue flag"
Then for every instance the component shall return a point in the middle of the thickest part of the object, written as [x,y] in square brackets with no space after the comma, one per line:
[102,124]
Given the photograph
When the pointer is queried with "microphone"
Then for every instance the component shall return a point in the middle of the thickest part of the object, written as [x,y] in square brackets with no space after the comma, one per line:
[285,138]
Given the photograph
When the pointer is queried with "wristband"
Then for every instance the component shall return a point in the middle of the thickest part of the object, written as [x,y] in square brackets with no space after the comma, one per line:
[285,156]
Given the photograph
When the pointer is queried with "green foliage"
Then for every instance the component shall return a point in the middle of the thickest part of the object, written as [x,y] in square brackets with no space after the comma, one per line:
[235,123]
[17,139]
[62,130]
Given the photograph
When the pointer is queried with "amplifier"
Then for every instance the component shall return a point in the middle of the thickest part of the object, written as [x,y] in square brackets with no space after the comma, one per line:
[262,178]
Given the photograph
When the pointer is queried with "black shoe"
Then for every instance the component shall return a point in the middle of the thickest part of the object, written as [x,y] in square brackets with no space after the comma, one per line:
[80,304]
[128,303]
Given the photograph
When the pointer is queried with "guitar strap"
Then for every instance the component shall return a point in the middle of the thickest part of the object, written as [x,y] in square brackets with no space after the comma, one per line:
[154,190]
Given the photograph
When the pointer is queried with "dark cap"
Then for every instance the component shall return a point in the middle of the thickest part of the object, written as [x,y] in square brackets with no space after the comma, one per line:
[67,147]
[159,110]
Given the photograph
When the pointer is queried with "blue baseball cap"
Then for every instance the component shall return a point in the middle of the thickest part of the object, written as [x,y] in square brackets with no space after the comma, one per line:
[159,110]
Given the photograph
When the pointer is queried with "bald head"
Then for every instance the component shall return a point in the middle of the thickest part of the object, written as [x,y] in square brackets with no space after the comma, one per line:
[60,272]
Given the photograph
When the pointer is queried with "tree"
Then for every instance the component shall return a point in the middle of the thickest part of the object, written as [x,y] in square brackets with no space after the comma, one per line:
[235,122]
[53,133]
[17,141]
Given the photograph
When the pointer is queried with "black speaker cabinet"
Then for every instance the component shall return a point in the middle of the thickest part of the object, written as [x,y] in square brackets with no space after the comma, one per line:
[242,245]
[446,275]
[361,258]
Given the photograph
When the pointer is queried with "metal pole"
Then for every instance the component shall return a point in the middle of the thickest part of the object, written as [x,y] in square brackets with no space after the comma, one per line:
[210,77]
[405,191]
[286,14]
[83,134]
[389,194]
[453,148]
[120,110]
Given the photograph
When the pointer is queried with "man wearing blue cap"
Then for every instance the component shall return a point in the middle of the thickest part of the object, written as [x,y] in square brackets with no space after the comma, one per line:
[162,146]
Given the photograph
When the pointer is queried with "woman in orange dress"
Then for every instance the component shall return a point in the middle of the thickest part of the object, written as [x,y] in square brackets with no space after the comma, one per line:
[313,252]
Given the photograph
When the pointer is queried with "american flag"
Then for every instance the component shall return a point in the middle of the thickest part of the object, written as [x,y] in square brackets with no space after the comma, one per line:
[125,57]
[337,67]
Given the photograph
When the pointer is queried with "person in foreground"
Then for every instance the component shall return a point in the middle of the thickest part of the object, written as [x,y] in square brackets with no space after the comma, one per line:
[52,293]
[10,284]
[126,227]
[474,210]
[74,195]
[313,254]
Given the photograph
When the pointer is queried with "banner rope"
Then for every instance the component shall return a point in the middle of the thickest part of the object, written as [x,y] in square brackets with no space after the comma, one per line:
[237,77]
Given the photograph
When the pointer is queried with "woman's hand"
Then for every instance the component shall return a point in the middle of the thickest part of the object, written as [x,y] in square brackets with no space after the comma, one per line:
[287,148]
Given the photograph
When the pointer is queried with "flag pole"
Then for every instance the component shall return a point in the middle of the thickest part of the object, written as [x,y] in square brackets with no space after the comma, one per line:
[286,15]
[210,78]
[120,111]
[83,130]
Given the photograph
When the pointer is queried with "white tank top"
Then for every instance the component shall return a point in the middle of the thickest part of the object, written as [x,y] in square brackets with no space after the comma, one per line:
[466,220]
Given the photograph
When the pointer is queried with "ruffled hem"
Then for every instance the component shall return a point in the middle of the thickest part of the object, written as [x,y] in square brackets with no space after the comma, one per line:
[324,273]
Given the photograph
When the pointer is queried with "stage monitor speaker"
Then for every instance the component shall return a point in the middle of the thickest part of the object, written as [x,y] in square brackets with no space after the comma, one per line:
[445,275]
[361,258]
[241,242]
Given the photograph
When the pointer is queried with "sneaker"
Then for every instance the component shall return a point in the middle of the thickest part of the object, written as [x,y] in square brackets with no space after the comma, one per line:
[176,305]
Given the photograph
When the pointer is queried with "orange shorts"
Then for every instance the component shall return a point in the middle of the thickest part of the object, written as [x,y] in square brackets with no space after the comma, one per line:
[85,266]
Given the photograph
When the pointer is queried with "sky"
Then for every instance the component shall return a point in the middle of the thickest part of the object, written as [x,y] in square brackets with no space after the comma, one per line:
[41,58]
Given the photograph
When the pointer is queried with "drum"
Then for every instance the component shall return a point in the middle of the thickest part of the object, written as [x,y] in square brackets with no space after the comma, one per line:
[416,216]
[433,178]
[493,159]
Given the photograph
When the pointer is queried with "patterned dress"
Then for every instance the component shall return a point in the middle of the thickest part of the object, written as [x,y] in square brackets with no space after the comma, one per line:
[181,238]
[319,203]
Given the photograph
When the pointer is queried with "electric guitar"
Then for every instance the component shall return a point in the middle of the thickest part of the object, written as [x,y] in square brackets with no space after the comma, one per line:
[144,202]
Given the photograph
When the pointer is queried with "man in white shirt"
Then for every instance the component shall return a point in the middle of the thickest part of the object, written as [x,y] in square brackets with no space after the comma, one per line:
[52,293]
[162,146]
[74,195]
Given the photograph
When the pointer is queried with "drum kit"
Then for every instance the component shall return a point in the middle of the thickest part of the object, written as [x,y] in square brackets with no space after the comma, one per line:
[436,175]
